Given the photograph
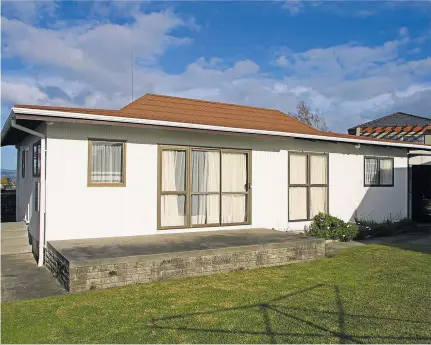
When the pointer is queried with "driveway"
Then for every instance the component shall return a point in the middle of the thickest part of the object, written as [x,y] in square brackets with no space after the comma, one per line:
[21,279]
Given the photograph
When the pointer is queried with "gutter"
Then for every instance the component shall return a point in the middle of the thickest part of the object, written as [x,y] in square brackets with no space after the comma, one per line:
[42,193]
[96,117]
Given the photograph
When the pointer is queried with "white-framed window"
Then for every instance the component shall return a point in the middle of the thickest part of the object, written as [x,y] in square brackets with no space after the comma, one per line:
[378,172]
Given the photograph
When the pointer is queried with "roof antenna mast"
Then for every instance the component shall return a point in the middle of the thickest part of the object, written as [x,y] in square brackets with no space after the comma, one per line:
[133,65]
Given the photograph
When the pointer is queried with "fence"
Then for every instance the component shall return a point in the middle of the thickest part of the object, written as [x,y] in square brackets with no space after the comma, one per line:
[8,205]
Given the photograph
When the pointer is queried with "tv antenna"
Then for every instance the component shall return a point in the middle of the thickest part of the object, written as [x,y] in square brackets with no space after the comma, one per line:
[133,66]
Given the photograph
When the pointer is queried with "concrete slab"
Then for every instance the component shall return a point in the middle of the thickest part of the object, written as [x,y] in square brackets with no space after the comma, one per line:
[131,246]
[21,279]
[82,265]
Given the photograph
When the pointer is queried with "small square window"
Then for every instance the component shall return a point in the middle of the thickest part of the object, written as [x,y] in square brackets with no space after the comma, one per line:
[379,172]
[106,166]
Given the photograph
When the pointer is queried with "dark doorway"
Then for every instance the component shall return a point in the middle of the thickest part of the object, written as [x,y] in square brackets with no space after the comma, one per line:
[421,193]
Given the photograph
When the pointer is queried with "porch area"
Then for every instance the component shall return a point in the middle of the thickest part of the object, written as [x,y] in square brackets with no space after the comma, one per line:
[88,264]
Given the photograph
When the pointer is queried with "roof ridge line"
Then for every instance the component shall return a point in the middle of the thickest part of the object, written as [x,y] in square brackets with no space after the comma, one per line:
[203,101]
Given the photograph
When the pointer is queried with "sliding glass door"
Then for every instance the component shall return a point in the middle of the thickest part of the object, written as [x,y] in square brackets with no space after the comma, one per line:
[203,187]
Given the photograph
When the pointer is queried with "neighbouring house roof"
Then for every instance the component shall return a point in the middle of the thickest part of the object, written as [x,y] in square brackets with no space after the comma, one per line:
[396,126]
[167,111]
[398,119]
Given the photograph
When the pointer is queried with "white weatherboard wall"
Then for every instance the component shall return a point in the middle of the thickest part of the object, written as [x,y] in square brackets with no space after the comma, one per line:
[77,211]
[25,186]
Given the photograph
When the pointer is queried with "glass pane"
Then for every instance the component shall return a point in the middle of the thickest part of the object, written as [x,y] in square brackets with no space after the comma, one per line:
[298,169]
[318,169]
[173,210]
[205,209]
[371,171]
[205,171]
[386,169]
[318,200]
[234,208]
[173,171]
[234,172]
[107,162]
[297,203]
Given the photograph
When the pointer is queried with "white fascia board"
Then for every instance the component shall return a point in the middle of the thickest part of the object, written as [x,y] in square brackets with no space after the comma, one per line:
[109,118]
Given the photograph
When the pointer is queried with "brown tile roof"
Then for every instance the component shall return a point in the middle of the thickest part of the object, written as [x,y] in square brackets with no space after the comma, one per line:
[175,109]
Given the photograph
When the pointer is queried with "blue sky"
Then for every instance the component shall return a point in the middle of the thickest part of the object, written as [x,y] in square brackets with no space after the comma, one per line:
[355,61]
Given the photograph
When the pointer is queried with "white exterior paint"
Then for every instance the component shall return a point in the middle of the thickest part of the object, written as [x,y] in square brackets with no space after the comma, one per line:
[420,160]
[25,197]
[75,211]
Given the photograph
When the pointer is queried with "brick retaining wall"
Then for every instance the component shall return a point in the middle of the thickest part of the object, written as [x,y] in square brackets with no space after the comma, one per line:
[77,276]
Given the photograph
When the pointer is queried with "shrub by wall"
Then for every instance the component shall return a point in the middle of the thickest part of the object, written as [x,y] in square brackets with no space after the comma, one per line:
[332,228]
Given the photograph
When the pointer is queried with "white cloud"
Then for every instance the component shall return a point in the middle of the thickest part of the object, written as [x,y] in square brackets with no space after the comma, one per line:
[89,65]
[281,61]
[244,67]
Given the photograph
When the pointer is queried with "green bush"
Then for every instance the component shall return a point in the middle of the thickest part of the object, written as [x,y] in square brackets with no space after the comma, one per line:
[389,227]
[332,228]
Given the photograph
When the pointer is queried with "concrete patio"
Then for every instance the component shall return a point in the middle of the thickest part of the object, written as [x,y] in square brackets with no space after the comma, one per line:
[88,264]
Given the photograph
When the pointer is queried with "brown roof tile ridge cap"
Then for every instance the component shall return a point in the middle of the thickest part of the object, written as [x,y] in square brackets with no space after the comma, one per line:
[255,115]
[135,101]
[154,96]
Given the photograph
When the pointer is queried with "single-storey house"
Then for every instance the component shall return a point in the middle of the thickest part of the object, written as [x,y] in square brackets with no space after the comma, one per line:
[166,164]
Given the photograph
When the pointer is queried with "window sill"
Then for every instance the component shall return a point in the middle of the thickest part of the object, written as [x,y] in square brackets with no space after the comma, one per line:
[106,185]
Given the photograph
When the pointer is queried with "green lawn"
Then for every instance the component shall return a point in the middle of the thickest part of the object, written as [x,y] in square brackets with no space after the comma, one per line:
[370,294]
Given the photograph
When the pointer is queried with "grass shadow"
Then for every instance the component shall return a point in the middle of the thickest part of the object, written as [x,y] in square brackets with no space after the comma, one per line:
[298,315]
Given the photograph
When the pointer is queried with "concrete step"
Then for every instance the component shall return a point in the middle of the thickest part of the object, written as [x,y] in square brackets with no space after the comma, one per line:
[15,249]
[14,241]
[13,226]
[14,234]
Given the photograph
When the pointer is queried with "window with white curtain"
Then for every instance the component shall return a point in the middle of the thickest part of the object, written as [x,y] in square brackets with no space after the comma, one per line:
[106,166]
[379,171]
[203,187]
[308,185]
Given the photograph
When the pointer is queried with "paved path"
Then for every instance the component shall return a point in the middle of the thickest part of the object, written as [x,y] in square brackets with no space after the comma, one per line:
[21,279]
